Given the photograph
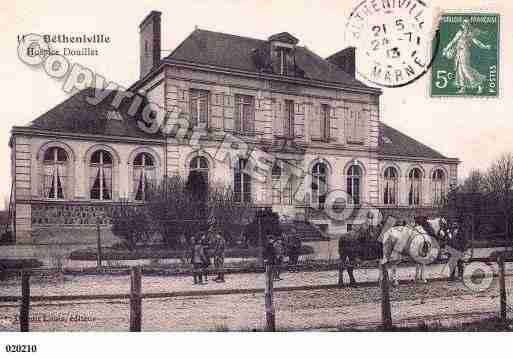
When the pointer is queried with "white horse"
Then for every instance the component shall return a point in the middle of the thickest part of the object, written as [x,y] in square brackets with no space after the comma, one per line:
[412,242]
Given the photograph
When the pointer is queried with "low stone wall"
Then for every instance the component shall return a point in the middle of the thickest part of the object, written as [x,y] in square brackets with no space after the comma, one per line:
[48,214]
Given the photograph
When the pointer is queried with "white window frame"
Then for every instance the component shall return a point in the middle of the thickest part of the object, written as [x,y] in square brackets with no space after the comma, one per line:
[55,177]
[242,102]
[438,185]
[415,187]
[144,170]
[316,179]
[245,180]
[390,178]
[198,95]
[100,165]
[354,179]
[289,118]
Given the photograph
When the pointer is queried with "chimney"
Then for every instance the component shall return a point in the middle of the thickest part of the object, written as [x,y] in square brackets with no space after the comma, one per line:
[149,42]
[345,60]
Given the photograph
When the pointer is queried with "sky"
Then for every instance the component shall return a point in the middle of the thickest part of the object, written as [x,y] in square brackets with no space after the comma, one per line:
[474,130]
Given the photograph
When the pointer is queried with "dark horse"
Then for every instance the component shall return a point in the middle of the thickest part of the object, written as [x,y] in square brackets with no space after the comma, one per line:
[358,245]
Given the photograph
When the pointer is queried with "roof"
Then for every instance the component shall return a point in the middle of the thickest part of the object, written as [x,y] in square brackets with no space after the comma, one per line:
[284,37]
[77,115]
[395,143]
[237,52]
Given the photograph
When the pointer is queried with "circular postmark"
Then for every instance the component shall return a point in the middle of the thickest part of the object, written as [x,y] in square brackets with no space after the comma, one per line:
[393,40]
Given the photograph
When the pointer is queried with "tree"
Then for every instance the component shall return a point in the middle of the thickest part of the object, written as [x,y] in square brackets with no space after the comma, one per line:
[131,223]
[474,183]
[177,207]
[269,222]
[499,180]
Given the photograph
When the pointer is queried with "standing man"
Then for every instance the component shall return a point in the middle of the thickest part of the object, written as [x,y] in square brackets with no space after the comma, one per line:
[279,252]
[294,248]
[196,260]
[219,249]
[269,254]
[206,255]
[184,248]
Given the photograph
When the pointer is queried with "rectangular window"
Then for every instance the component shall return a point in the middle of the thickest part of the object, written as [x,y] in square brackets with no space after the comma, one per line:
[241,182]
[276,192]
[289,118]
[325,123]
[199,105]
[281,191]
[355,127]
[244,114]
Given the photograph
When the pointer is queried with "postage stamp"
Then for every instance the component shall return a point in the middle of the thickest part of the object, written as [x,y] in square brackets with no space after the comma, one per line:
[467,60]
[393,40]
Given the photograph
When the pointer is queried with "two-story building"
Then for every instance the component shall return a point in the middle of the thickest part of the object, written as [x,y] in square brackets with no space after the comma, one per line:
[318,124]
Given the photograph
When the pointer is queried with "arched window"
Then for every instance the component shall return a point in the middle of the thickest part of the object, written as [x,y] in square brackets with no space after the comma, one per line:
[55,173]
[438,186]
[199,164]
[390,186]
[100,175]
[319,183]
[143,177]
[282,187]
[241,182]
[415,184]
[354,178]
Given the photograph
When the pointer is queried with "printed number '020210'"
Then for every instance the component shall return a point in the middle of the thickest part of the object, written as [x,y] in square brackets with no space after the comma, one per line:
[21,348]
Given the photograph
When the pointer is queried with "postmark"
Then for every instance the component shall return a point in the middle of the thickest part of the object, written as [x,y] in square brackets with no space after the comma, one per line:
[393,40]
[467,63]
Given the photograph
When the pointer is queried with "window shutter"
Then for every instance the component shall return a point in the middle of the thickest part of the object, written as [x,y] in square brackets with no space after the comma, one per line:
[360,125]
[203,117]
[328,123]
[349,126]
[279,126]
[285,119]
[316,123]
[248,114]
[237,114]
[229,112]
[193,109]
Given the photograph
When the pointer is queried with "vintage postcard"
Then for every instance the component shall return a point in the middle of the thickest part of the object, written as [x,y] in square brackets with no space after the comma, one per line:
[256,167]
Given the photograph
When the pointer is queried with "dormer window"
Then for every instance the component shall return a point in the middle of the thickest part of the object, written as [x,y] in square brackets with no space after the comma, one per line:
[283,53]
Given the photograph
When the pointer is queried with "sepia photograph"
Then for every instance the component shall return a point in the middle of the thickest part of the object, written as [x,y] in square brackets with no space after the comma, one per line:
[256,166]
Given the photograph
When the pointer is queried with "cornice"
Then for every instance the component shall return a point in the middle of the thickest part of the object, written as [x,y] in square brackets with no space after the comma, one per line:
[420,159]
[20,130]
[254,75]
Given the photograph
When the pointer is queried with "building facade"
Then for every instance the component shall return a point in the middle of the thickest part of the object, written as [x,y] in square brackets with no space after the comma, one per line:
[234,102]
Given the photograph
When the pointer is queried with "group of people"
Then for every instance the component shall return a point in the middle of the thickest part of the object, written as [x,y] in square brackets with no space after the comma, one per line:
[199,251]
[278,247]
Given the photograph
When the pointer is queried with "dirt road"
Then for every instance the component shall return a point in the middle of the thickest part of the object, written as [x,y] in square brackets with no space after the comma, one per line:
[439,302]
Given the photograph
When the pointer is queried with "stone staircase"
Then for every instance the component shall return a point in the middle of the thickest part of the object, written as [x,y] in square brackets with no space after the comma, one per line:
[308,232]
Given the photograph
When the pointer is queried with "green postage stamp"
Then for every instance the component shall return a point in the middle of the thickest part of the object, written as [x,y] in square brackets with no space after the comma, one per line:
[466,61]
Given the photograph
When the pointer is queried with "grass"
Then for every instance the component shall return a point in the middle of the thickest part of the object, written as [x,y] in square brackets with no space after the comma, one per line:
[161,252]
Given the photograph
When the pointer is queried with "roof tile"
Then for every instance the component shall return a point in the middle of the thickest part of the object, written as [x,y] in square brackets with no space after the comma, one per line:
[236,52]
